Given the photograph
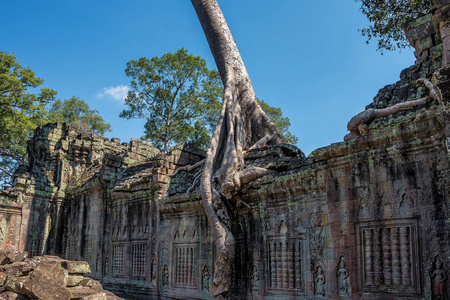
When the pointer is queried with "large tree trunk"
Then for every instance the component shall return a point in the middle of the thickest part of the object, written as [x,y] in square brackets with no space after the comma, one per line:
[241,124]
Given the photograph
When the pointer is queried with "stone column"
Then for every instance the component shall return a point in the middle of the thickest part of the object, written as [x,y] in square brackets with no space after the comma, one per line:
[444,28]
[368,253]
[441,21]
[273,265]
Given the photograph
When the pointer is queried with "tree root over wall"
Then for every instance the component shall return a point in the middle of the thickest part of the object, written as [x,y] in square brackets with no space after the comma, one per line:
[359,124]
[242,123]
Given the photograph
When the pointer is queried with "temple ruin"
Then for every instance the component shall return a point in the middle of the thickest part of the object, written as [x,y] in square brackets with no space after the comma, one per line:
[366,218]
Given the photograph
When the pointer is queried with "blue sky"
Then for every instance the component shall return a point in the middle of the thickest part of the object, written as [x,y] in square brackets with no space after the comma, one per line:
[306,57]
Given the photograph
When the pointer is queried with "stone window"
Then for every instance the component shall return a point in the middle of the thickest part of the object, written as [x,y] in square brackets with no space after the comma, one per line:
[389,256]
[88,253]
[185,266]
[117,259]
[284,258]
[139,254]
[72,248]
[36,246]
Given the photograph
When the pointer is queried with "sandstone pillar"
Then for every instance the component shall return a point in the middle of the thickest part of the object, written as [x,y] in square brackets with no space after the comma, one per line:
[441,21]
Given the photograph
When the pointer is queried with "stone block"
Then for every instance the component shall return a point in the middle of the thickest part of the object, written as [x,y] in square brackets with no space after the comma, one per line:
[47,282]
[91,283]
[12,296]
[3,278]
[337,149]
[98,296]
[422,31]
[74,280]
[77,267]
[18,269]
[11,256]
[417,22]
[441,3]
[423,44]
[15,284]
[80,292]
[111,296]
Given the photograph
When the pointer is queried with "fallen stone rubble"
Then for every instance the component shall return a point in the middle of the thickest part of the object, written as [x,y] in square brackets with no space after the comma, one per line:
[48,278]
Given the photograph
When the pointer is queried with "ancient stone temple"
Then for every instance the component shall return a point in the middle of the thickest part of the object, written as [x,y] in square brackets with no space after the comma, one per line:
[367,218]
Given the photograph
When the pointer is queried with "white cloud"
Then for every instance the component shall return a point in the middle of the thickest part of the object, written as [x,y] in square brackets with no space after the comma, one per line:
[118,93]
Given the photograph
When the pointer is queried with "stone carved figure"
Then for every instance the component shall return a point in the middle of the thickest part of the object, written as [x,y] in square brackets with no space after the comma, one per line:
[319,280]
[255,278]
[165,276]
[97,263]
[153,271]
[2,234]
[282,228]
[106,265]
[205,278]
[438,279]
[316,223]
[342,277]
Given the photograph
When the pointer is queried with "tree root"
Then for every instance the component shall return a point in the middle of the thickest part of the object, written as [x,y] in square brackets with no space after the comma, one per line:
[234,181]
[435,94]
[188,168]
[358,125]
[239,202]
[196,178]
[261,143]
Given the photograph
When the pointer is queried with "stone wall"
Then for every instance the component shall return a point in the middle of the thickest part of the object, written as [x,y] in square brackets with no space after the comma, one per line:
[361,219]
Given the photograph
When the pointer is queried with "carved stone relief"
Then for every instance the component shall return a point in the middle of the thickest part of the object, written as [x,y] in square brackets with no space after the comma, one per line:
[139,260]
[89,249]
[153,271]
[284,262]
[342,277]
[118,252]
[389,251]
[284,249]
[165,276]
[97,263]
[185,257]
[106,264]
[255,278]
[438,279]
[205,278]
[185,265]
[320,282]
[316,223]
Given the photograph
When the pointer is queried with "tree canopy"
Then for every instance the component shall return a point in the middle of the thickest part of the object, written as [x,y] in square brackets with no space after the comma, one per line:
[22,110]
[388,18]
[77,111]
[282,123]
[178,96]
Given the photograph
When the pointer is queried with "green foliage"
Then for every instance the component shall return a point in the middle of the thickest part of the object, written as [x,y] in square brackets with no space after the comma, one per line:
[77,111]
[176,94]
[388,18]
[282,123]
[21,112]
